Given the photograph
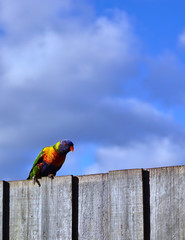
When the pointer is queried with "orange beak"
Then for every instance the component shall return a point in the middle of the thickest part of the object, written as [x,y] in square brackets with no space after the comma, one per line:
[71,148]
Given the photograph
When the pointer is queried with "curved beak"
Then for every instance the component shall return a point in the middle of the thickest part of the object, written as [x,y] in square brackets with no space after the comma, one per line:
[71,148]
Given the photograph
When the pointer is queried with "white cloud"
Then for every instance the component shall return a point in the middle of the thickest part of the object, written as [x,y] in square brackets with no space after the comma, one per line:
[64,74]
[28,18]
[87,58]
[53,80]
[182,38]
[155,152]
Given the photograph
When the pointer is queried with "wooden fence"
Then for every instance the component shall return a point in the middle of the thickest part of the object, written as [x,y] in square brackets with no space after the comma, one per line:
[120,205]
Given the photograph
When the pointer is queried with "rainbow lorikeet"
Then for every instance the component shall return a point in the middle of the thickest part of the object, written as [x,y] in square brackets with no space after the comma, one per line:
[50,160]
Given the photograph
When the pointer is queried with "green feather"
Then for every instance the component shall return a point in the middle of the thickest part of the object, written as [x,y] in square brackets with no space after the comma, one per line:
[35,167]
[56,146]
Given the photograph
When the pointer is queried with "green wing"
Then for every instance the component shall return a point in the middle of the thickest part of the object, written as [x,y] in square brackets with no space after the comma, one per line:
[35,169]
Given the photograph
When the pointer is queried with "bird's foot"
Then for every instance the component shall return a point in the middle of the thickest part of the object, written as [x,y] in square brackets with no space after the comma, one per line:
[51,176]
[35,180]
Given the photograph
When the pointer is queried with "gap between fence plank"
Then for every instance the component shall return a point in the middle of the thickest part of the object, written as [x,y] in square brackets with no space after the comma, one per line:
[6,210]
[75,187]
[146,204]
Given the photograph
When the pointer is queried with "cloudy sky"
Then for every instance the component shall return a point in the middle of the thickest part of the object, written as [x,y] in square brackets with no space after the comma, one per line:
[109,75]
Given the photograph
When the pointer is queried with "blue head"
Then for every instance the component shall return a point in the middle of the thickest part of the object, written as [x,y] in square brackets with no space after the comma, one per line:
[65,146]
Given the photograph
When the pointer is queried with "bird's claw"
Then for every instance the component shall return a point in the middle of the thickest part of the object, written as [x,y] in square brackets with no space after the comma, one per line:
[51,176]
[35,180]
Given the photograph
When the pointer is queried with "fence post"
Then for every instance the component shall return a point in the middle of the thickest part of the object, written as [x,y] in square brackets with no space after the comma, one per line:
[93,207]
[167,200]
[43,212]
[126,205]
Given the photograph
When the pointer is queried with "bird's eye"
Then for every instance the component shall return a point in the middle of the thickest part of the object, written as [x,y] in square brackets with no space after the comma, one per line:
[65,144]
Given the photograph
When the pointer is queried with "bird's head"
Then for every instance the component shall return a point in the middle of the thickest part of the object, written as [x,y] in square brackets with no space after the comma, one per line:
[65,146]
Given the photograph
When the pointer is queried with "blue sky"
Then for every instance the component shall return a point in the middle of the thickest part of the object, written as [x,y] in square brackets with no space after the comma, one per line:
[109,75]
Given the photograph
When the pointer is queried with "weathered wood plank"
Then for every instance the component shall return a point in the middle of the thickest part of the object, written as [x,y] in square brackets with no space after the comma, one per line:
[167,200]
[1,210]
[57,208]
[93,207]
[125,205]
[41,212]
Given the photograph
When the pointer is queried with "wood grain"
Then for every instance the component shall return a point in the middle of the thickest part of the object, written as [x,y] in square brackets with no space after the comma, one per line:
[41,212]
[93,207]
[107,206]
[126,205]
[167,201]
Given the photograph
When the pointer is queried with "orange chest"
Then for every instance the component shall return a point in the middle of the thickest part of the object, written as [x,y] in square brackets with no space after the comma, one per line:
[50,156]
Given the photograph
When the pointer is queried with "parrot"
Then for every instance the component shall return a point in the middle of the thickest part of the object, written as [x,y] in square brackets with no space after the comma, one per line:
[50,160]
